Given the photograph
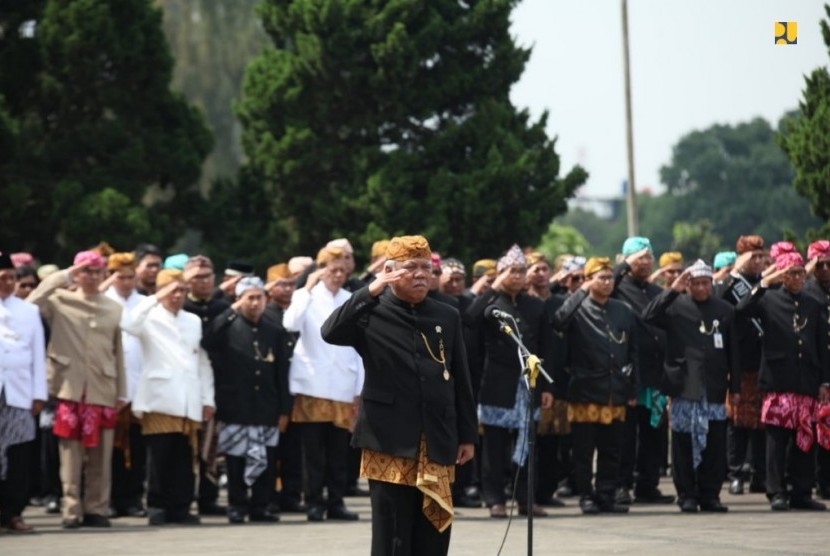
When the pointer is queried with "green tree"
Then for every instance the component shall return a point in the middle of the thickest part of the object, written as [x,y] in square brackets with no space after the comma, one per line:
[561,239]
[737,177]
[104,148]
[806,137]
[371,119]
[696,240]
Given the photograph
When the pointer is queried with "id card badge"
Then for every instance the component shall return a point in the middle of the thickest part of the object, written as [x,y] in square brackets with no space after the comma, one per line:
[718,340]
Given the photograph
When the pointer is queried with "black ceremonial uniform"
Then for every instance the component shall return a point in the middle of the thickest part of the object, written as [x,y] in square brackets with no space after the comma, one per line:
[250,369]
[644,444]
[795,359]
[406,394]
[700,365]
[501,372]
[603,360]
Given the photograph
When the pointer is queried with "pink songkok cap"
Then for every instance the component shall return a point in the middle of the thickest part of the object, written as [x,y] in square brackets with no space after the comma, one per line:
[785,254]
[820,248]
[93,258]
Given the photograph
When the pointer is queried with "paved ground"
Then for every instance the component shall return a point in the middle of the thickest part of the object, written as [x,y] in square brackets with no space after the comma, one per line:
[749,528]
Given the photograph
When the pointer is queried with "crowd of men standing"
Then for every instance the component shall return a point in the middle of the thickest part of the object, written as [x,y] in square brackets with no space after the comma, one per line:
[127,378]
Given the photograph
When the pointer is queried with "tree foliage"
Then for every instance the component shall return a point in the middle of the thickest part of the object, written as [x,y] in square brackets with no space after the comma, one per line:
[806,137]
[371,119]
[103,149]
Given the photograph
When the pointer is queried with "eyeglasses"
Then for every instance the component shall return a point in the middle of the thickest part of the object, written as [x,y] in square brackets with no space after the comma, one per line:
[413,267]
[203,277]
[436,272]
[577,278]
[796,273]
[823,264]
[25,285]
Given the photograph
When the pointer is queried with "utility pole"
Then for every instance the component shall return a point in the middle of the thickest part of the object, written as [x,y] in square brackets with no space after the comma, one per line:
[631,190]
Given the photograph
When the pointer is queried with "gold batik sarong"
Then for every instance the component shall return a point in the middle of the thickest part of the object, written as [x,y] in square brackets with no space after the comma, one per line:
[595,413]
[308,409]
[159,423]
[433,479]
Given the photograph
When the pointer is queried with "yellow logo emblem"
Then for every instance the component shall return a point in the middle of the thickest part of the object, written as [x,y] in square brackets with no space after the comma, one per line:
[786,32]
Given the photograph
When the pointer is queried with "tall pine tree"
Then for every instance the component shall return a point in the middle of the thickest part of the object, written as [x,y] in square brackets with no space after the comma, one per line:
[368,119]
[103,149]
[806,138]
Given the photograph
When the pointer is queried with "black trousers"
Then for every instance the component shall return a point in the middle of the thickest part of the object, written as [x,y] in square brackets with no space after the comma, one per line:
[564,459]
[261,490]
[290,465]
[169,473]
[549,467]
[325,448]
[745,445]
[606,441]
[641,451]
[399,526]
[497,466]
[14,491]
[703,483]
[128,481]
[786,463]
[823,468]
[208,485]
[50,464]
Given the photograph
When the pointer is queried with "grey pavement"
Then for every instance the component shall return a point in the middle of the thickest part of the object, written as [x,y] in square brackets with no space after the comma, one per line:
[750,527]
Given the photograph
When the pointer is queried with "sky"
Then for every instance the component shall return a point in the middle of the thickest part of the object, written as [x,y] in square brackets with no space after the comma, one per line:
[694,63]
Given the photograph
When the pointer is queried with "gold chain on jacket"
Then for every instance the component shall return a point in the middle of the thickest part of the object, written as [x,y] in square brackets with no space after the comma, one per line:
[443,359]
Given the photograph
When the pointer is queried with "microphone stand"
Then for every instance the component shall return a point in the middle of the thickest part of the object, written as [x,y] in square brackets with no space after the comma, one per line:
[532,370]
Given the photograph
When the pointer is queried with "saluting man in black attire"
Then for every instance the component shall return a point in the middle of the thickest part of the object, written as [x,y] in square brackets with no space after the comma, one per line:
[699,369]
[417,416]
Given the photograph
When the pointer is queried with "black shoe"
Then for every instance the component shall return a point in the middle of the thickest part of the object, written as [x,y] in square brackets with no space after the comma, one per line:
[292,507]
[263,516]
[465,501]
[552,503]
[37,501]
[807,504]
[688,505]
[823,492]
[588,506]
[736,487]
[779,503]
[156,516]
[235,515]
[713,506]
[653,497]
[622,496]
[316,513]
[212,509]
[53,507]
[355,490]
[340,513]
[73,523]
[95,520]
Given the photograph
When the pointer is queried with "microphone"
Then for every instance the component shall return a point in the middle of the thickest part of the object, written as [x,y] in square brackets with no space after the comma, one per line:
[493,313]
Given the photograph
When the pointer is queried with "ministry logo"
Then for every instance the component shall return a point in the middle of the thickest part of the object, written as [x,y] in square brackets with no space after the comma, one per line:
[786,32]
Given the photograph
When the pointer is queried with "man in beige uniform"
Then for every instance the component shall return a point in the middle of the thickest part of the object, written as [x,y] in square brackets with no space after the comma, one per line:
[85,368]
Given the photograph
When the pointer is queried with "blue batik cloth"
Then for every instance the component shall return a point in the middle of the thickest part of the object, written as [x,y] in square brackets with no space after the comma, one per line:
[511,418]
[693,417]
